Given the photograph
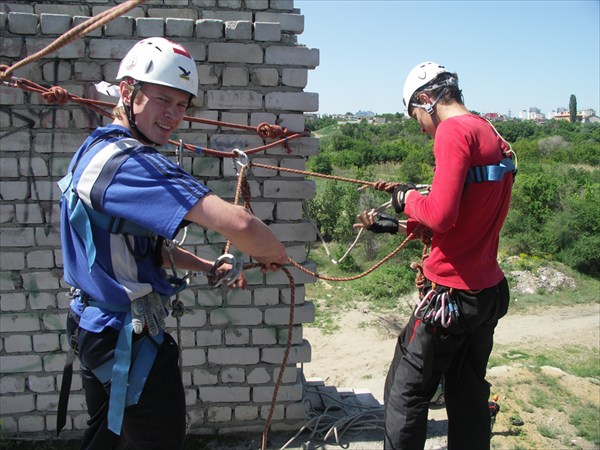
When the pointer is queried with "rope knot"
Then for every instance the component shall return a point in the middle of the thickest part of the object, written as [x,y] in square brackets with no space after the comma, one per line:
[56,95]
[5,73]
[268,131]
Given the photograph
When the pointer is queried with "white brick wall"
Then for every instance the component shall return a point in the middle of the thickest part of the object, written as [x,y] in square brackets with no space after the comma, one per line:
[232,343]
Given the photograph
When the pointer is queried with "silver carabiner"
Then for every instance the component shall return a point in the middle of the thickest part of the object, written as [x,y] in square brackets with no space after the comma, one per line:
[237,265]
[240,161]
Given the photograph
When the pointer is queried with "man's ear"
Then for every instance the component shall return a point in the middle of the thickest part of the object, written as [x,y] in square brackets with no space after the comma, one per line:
[125,91]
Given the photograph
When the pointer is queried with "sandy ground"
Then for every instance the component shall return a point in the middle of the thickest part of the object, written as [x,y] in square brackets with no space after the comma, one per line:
[358,355]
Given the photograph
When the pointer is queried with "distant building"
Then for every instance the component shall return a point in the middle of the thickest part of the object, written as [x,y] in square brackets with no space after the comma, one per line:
[532,114]
[585,116]
[494,117]
[364,114]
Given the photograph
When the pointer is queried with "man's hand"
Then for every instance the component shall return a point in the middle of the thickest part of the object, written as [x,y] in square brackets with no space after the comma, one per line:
[239,282]
[399,196]
[379,223]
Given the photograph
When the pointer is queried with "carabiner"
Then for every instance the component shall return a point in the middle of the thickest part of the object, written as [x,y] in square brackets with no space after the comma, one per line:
[241,160]
[237,264]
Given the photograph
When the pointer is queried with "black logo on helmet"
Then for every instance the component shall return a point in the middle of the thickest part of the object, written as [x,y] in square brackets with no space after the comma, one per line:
[185,74]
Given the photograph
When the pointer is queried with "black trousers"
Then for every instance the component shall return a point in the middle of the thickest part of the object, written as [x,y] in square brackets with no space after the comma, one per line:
[157,421]
[460,352]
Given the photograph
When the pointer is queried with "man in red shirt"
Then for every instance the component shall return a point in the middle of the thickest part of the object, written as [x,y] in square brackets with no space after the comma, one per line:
[451,331]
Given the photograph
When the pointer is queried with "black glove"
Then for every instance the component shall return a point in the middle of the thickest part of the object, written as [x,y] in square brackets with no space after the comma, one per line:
[384,224]
[399,195]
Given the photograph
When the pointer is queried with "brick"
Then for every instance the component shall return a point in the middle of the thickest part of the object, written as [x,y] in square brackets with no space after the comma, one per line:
[22,23]
[232,4]
[11,48]
[233,375]
[278,412]
[294,77]
[19,141]
[210,28]
[47,342]
[237,336]
[12,385]
[297,354]
[218,414]
[229,394]
[268,76]
[31,424]
[289,189]
[238,29]
[286,393]
[8,424]
[289,210]
[295,411]
[13,301]
[41,383]
[235,316]
[233,355]
[7,212]
[15,404]
[10,96]
[70,10]
[291,374]
[256,118]
[257,4]
[230,52]
[227,99]
[299,295]
[40,259]
[54,321]
[293,101]
[149,26]
[77,20]
[264,336]
[109,48]
[266,31]
[209,338]
[73,50]
[236,76]
[54,23]
[36,281]
[179,27]
[282,4]
[119,26]
[258,375]
[290,232]
[18,323]
[292,56]
[291,23]
[193,357]
[205,377]
[11,261]
[263,210]
[180,13]
[245,412]
[227,15]
[17,343]
[293,122]
[280,316]
[20,364]
[194,318]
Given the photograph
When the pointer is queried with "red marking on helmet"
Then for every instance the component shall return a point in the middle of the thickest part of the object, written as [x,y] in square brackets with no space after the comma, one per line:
[181,51]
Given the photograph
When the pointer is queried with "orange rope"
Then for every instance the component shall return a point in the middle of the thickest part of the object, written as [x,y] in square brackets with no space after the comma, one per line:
[74,33]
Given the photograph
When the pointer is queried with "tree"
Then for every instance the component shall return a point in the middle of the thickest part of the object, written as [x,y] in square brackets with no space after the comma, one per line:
[573,108]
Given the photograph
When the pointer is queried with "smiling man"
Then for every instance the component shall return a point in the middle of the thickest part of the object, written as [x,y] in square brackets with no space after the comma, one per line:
[122,200]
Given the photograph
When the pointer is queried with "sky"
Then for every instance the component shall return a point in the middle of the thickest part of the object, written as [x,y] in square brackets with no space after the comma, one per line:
[509,55]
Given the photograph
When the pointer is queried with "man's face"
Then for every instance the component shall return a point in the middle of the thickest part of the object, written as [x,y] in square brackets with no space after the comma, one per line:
[159,111]
[425,121]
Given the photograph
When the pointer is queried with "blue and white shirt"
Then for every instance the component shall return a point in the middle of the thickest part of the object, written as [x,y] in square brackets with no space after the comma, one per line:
[116,175]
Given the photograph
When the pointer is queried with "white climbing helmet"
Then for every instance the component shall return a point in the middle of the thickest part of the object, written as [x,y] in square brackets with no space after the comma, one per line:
[418,77]
[157,60]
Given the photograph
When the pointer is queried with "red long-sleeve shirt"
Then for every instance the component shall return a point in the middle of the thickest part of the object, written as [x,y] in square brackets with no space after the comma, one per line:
[465,218]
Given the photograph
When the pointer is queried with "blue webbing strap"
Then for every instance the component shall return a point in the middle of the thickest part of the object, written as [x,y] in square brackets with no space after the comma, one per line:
[120,374]
[493,172]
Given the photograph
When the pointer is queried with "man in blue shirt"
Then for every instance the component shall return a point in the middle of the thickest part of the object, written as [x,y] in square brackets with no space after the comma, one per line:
[121,201]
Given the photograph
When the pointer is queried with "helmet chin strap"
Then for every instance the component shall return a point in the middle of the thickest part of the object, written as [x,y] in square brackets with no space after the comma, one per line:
[429,109]
[131,116]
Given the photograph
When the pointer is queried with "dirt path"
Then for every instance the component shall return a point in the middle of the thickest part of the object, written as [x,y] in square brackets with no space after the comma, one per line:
[357,357]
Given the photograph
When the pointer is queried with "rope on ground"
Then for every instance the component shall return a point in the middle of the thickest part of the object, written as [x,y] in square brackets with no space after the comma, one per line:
[324,425]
